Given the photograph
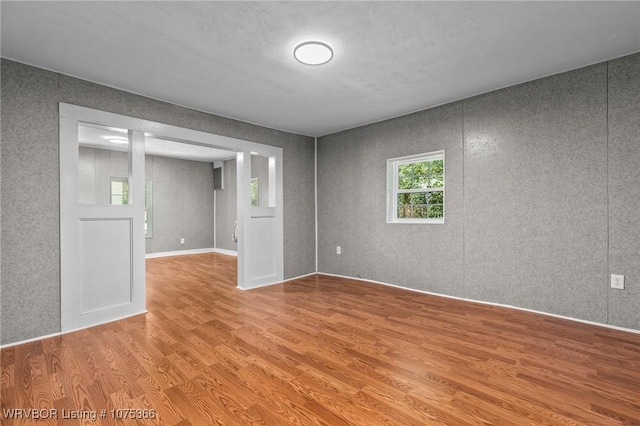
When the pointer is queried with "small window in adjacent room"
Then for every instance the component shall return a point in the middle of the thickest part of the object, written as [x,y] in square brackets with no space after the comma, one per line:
[415,188]
[255,192]
[119,191]
[120,196]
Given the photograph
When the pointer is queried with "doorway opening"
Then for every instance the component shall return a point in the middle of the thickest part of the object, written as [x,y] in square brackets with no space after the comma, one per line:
[132,188]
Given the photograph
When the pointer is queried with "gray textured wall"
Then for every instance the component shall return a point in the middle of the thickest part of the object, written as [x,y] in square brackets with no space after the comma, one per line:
[352,204]
[624,189]
[30,255]
[535,195]
[182,204]
[506,239]
[527,183]
[226,208]
[30,282]
[96,168]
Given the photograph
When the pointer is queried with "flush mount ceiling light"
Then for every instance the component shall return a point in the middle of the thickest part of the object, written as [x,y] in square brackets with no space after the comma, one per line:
[313,53]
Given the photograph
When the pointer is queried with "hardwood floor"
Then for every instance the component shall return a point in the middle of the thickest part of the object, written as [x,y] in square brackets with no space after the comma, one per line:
[324,351]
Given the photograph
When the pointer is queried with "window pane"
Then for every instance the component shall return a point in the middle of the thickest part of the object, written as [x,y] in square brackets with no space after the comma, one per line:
[119,191]
[405,176]
[419,182]
[403,212]
[435,197]
[437,174]
[425,174]
[254,191]
[263,184]
[419,212]
[413,175]
[408,210]
[437,167]
[419,198]
[436,182]
[103,154]
[419,191]
[404,171]
[436,211]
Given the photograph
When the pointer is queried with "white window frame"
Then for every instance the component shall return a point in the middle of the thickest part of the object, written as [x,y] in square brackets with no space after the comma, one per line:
[392,187]
[148,203]
[121,180]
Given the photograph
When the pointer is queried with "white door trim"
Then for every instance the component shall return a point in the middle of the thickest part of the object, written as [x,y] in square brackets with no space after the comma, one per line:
[73,316]
[269,254]
[69,235]
[71,114]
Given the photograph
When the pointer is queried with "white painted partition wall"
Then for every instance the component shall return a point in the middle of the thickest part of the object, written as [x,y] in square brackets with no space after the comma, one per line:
[261,228]
[102,247]
[102,258]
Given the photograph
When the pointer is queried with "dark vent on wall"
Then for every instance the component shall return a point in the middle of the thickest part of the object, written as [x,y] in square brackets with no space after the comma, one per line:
[217,178]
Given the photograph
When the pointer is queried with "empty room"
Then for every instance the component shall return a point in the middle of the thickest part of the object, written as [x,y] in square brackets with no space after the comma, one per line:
[320,213]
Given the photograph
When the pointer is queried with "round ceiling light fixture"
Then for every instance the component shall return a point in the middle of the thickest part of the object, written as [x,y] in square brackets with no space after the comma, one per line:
[313,53]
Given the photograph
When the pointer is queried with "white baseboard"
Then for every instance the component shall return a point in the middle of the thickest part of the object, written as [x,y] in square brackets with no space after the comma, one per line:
[615,327]
[225,251]
[259,286]
[277,282]
[301,276]
[192,251]
[33,339]
[179,253]
[61,333]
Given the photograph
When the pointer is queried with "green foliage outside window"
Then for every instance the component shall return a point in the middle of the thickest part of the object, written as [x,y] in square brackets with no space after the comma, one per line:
[414,177]
[254,192]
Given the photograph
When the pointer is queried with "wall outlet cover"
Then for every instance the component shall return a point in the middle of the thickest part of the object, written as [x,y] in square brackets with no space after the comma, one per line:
[617,281]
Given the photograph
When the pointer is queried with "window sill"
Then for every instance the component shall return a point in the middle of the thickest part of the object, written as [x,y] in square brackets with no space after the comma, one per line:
[417,221]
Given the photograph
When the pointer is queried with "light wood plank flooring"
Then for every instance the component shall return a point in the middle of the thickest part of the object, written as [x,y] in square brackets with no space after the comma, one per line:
[325,351]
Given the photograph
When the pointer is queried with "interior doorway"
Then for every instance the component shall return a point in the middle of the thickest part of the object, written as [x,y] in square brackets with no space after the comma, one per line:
[107,209]
[191,202]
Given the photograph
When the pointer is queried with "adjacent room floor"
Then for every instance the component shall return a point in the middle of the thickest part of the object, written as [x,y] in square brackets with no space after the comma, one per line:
[325,350]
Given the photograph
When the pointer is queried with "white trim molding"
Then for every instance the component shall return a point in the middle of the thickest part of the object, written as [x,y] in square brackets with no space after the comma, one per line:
[178,253]
[280,282]
[62,333]
[192,251]
[225,251]
[599,324]
[299,277]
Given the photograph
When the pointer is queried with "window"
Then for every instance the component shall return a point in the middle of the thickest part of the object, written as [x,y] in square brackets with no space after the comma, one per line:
[255,192]
[120,196]
[415,189]
[119,191]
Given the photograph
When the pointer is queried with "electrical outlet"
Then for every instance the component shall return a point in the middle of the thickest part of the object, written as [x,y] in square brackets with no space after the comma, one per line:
[617,281]
[338,250]
[181,240]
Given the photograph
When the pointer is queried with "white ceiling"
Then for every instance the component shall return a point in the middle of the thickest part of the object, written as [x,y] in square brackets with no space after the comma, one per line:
[235,58]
